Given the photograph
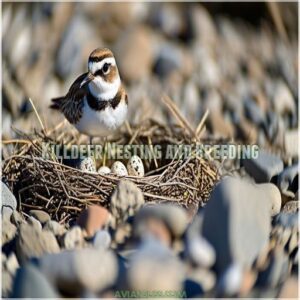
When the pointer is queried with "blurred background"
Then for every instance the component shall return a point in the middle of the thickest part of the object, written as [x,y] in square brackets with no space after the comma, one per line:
[239,60]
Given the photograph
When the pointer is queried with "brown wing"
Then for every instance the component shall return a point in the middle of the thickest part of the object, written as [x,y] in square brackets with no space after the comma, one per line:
[71,105]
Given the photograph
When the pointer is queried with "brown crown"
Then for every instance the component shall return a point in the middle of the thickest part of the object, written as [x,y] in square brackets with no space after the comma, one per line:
[99,54]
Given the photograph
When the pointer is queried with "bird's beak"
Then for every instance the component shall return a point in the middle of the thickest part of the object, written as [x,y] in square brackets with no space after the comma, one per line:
[89,77]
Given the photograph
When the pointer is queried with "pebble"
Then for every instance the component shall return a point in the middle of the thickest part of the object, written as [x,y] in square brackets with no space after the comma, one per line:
[104,170]
[155,268]
[73,239]
[56,228]
[230,281]
[264,167]
[291,142]
[135,166]
[243,225]
[32,242]
[290,289]
[174,217]
[126,200]
[40,215]
[31,283]
[93,218]
[72,271]
[276,271]
[119,169]
[201,252]
[135,62]
[271,193]
[283,99]
[102,239]
[291,207]
[7,198]
[286,177]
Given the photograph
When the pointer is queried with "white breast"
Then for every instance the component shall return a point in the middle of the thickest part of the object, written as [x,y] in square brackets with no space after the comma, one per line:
[103,122]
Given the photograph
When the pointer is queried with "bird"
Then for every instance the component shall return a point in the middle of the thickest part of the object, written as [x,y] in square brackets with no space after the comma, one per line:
[96,103]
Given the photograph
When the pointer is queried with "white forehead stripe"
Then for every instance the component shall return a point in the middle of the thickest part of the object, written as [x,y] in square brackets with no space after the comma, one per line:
[95,66]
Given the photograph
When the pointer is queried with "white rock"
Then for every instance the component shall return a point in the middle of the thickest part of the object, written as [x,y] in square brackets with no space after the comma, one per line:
[135,166]
[118,168]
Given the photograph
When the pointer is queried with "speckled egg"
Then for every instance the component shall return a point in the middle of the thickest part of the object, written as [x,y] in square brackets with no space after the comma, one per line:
[104,170]
[118,168]
[88,165]
[135,166]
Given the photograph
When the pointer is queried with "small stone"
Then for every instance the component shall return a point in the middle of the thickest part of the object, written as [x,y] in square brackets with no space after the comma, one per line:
[290,289]
[236,222]
[73,238]
[277,270]
[135,62]
[8,231]
[104,170]
[12,264]
[155,228]
[271,193]
[32,242]
[230,281]
[264,167]
[74,271]
[205,278]
[31,283]
[34,222]
[102,239]
[220,126]
[174,217]
[40,215]
[7,198]
[88,165]
[119,169]
[201,252]
[291,207]
[135,166]
[248,281]
[286,177]
[283,99]
[93,218]
[290,142]
[56,228]
[155,268]
[126,200]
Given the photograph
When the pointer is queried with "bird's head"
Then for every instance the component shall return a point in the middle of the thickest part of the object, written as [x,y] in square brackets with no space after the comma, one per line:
[103,76]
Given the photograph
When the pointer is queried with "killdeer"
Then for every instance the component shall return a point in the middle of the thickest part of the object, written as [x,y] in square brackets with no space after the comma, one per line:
[96,103]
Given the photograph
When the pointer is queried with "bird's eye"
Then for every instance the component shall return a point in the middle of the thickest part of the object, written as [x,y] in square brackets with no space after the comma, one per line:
[105,68]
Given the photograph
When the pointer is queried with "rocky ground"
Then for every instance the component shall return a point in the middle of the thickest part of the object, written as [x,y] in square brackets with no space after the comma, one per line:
[245,241]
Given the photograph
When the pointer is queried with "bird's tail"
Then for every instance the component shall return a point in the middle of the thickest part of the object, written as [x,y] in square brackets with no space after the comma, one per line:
[56,102]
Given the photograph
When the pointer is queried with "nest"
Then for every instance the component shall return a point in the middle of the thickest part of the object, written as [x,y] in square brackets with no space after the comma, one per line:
[63,191]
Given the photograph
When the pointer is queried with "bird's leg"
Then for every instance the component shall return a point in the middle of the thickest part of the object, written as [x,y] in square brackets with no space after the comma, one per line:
[104,154]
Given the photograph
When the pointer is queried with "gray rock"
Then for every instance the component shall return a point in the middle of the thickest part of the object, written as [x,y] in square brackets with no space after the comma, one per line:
[287,220]
[270,193]
[230,281]
[73,238]
[173,216]
[56,228]
[74,271]
[31,283]
[236,222]
[277,270]
[33,242]
[126,200]
[155,268]
[102,239]
[201,252]
[291,207]
[286,177]
[40,215]
[7,198]
[254,112]
[264,167]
